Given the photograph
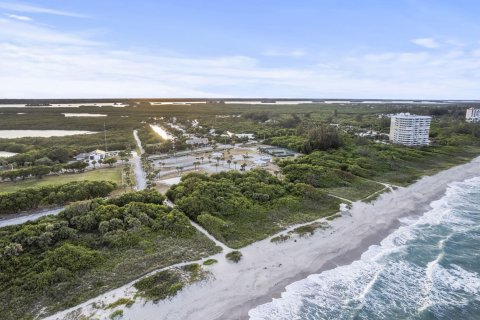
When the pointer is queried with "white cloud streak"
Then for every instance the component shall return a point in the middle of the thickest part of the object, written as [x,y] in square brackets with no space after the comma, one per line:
[429,43]
[17,17]
[18,7]
[296,53]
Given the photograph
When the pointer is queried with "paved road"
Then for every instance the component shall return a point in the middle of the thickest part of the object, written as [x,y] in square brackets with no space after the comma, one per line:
[22,218]
[140,176]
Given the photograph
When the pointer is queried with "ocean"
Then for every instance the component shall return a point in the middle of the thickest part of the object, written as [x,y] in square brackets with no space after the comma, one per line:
[427,269]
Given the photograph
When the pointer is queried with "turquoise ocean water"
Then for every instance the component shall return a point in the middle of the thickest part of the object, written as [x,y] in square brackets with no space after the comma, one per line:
[427,269]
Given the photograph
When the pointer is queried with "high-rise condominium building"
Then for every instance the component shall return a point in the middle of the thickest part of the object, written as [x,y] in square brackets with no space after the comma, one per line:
[410,130]
[473,115]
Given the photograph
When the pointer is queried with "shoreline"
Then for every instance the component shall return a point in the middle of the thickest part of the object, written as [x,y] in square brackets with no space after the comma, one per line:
[267,268]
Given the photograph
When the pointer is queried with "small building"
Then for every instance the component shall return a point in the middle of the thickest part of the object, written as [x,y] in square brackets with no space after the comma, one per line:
[82,156]
[278,152]
[473,115]
[97,155]
[410,130]
[196,140]
[249,136]
[94,155]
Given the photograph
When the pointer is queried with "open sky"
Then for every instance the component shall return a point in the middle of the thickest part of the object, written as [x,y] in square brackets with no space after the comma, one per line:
[423,49]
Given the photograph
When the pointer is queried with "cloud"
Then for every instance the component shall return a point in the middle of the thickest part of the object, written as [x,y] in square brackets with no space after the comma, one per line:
[429,43]
[16,31]
[279,53]
[18,7]
[37,61]
[17,17]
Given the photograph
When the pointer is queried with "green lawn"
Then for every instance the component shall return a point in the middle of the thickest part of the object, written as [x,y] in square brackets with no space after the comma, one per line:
[108,174]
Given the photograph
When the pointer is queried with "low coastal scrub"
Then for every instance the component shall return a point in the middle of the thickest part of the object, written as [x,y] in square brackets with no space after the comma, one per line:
[344,171]
[91,247]
[309,229]
[209,262]
[117,314]
[33,198]
[167,283]
[280,238]
[121,302]
[160,286]
[333,217]
[234,256]
[375,196]
[239,209]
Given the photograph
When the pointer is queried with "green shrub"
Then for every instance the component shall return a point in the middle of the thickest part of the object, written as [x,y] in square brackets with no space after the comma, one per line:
[122,301]
[160,286]
[32,198]
[309,228]
[209,262]
[117,314]
[280,238]
[234,256]
[333,217]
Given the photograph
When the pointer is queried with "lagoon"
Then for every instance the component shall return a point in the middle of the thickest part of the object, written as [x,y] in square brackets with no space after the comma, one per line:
[12,134]
[68,105]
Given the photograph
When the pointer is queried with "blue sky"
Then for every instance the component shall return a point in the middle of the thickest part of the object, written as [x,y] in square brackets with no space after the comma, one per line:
[250,48]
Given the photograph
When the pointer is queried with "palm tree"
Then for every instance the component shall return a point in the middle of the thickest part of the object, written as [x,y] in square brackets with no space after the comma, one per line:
[243,166]
[201,158]
[196,164]
[229,163]
[94,163]
[216,167]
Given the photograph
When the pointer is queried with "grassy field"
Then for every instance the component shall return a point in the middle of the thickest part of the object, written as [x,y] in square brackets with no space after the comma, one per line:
[108,174]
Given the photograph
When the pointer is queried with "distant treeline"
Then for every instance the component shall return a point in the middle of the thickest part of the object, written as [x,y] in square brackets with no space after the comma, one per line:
[62,149]
[41,170]
[33,198]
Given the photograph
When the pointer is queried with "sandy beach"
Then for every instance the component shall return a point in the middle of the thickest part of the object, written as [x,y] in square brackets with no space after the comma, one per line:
[267,268]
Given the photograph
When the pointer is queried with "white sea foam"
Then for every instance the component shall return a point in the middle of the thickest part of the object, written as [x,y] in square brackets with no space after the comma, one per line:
[400,278]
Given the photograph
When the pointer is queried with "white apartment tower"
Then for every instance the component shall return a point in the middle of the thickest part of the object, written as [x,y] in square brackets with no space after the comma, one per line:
[473,115]
[410,130]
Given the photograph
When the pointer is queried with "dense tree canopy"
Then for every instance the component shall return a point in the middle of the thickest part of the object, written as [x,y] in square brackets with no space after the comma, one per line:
[239,208]
[40,260]
[32,198]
